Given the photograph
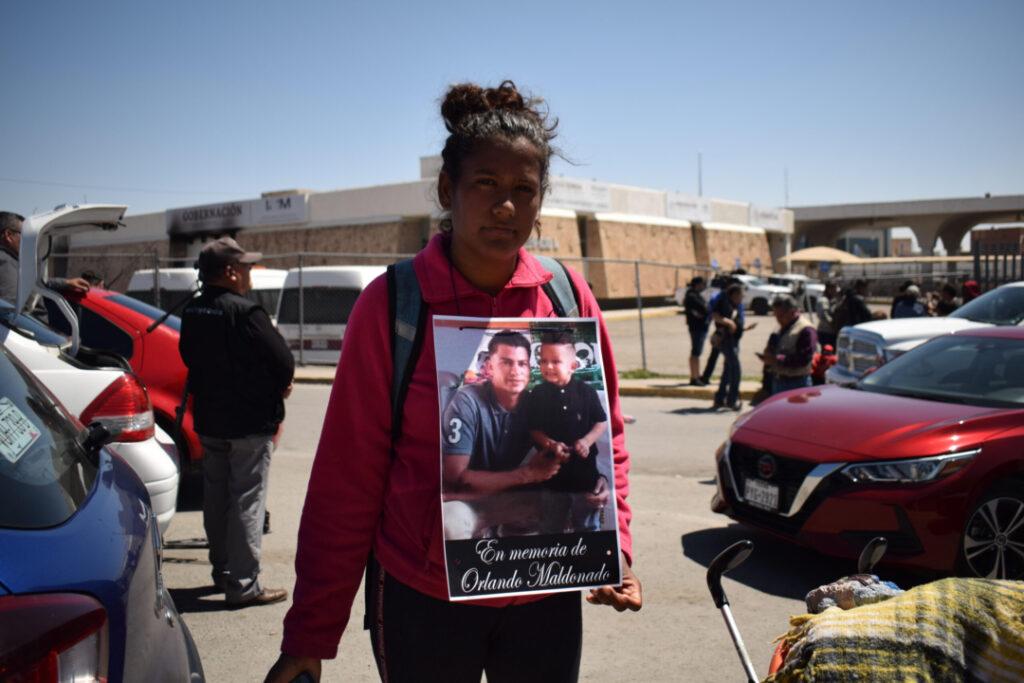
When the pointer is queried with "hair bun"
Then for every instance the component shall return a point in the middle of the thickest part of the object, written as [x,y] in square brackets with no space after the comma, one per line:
[466,99]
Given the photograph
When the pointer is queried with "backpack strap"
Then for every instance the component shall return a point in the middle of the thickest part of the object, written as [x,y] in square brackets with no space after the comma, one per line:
[408,316]
[560,290]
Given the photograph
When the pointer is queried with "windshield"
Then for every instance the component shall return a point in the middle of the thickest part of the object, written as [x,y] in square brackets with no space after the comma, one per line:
[979,371]
[151,312]
[751,281]
[1003,306]
[44,474]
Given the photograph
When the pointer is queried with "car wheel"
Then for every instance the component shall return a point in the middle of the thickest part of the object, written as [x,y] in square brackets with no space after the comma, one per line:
[993,540]
[760,306]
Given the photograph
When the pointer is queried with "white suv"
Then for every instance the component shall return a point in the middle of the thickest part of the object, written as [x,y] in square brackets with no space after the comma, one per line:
[869,345]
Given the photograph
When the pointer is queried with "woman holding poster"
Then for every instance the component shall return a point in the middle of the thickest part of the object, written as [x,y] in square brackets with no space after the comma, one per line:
[433,617]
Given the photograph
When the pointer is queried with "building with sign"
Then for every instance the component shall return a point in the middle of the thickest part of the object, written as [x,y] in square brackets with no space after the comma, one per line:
[669,232]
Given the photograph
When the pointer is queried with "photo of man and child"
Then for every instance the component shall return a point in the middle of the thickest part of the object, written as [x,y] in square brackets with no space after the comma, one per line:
[525,444]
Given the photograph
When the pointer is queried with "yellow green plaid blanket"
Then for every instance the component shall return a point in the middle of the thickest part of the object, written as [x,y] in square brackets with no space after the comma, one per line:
[948,630]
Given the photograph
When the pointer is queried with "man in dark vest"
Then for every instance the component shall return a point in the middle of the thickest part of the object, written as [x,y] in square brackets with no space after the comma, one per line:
[239,373]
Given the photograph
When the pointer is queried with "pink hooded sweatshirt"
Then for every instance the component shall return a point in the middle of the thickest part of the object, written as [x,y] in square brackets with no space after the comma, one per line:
[358,497]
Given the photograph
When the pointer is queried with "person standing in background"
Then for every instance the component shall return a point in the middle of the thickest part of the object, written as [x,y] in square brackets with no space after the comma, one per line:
[239,373]
[948,301]
[826,311]
[791,358]
[696,310]
[10,250]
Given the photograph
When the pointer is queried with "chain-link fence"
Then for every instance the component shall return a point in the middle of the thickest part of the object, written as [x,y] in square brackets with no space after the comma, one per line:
[312,293]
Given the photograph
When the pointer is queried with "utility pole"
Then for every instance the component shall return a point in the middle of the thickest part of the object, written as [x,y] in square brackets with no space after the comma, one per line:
[700,177]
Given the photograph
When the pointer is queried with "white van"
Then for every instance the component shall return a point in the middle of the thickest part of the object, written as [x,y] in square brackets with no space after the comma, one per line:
[175,283]
[328,294]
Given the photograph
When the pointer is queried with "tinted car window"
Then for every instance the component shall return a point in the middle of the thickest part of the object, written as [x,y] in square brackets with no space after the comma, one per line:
[151,312]
[99,333]
[322,306]
[980,371]
[144,295]
[267,298]
[1003,306]
[44,474]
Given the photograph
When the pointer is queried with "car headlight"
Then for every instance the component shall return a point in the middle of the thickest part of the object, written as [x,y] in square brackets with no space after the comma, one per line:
[909,471]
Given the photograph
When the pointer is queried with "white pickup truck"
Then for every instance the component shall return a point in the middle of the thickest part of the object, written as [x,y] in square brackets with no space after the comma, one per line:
[869,345]
[757,294]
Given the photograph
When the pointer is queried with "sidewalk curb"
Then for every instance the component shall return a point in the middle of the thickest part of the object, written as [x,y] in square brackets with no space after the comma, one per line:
[652,312]
[702,393]
[309,379]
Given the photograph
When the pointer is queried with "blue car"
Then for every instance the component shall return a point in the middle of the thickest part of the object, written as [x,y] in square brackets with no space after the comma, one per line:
[81,593]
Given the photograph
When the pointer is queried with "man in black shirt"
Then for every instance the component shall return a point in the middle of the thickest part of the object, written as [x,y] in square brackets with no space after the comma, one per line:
[854,309]
[729,326]
[697,322]
[239,373]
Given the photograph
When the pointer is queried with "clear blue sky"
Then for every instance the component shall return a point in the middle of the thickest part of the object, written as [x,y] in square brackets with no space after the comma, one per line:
[210,101]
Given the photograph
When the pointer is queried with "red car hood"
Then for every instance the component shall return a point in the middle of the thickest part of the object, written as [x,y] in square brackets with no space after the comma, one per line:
[856,425]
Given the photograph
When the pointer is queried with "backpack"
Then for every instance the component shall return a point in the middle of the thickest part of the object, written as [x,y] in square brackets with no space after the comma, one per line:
[408,317]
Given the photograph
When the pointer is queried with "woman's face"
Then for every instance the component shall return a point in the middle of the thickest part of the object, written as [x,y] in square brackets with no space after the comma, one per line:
[496,201]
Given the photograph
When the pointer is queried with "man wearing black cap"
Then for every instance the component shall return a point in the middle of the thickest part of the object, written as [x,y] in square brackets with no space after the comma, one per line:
[239,373]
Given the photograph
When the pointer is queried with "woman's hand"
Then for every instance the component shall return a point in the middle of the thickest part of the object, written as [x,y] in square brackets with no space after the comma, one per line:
[627,596]
[287,668]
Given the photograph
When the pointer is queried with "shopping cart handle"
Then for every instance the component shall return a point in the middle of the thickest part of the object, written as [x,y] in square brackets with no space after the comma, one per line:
[726,561]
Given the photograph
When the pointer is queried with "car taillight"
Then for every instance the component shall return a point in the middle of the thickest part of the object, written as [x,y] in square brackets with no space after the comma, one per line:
[52,638]
[124,409]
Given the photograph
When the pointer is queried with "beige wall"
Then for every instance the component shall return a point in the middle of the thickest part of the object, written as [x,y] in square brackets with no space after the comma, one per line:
[637,241]
[399,236]
[727,245]
[724,211]
[558,236]
[626,239]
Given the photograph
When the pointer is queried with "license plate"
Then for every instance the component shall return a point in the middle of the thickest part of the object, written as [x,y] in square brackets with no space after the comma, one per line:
[761,494]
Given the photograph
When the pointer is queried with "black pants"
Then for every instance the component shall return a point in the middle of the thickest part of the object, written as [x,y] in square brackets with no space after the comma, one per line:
[709,369]
[419,638]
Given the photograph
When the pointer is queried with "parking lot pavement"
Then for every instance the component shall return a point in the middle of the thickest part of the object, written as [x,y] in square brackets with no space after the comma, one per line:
[678,635]
[667,343]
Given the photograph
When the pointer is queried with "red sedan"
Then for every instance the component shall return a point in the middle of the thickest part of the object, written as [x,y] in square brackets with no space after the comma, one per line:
[927,451]
[115,322]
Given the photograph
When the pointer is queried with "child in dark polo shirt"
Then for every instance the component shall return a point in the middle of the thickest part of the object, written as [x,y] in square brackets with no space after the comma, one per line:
[565,419]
